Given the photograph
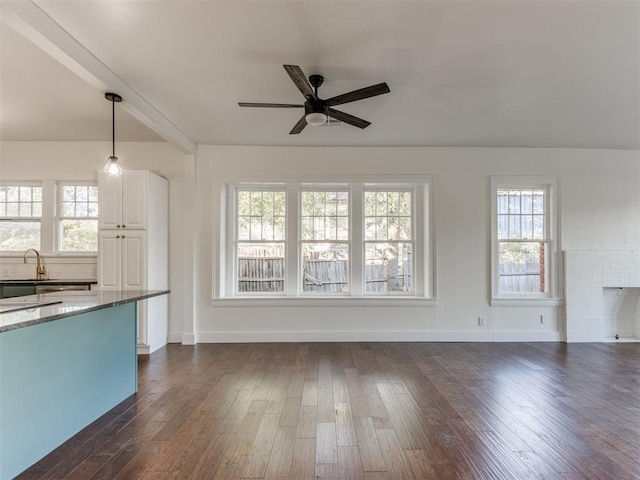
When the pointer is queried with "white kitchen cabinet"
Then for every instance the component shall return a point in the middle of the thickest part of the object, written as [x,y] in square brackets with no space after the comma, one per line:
[123,200]
[123,259]
[133,246]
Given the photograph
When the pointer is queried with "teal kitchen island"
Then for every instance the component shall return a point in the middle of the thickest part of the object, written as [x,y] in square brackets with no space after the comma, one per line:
[65,359]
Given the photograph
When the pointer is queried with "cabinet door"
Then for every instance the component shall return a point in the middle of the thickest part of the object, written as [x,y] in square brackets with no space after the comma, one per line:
[109,201]
[134,199]
[109,260]
[133,260]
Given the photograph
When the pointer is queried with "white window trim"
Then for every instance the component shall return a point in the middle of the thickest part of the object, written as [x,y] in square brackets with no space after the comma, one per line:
[223,224]
[553,297]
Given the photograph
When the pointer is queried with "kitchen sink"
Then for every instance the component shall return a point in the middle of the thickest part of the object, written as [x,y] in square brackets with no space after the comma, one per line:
[16,306]
[29,280]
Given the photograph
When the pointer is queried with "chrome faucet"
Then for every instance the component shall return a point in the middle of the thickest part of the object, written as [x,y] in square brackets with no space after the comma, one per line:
[40,270]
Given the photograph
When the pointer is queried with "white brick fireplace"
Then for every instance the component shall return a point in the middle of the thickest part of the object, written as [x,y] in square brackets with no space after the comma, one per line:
[589,304]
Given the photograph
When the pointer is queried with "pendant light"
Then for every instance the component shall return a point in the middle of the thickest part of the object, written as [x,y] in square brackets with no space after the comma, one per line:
[112,167]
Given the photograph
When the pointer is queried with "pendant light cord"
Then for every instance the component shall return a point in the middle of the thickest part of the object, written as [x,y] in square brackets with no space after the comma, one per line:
[113,127]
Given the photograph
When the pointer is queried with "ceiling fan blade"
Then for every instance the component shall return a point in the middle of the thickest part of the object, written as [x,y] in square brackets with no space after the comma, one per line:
[298,127]
[296,74]
[346,118]
[360,94]
[270,105]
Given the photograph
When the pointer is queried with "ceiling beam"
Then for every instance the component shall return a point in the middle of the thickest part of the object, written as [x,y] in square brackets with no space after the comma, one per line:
[32,22]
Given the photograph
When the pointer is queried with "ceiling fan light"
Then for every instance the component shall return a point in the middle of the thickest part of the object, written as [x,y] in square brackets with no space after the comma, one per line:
[112,167]
[316,118]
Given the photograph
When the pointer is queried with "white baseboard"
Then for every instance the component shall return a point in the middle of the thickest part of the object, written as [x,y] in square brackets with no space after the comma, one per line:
[175,337]
[143,349]
[379,336]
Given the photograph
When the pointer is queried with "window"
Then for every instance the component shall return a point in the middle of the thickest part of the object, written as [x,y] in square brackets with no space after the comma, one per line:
[20,215]
[78,218]
[260,245]
[325,241]
[524,238]
[50,216]
[388,236]
[315,240]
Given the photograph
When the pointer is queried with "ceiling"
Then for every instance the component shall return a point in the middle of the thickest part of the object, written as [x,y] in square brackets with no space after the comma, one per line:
[462,73]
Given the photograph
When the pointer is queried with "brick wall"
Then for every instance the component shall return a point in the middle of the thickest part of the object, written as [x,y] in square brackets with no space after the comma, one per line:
[587,273]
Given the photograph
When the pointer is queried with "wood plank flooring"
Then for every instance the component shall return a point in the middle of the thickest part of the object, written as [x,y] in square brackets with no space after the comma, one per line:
[368,411]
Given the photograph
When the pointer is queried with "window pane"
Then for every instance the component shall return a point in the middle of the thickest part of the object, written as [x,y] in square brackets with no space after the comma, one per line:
[12,194]
[260,215]
[20,201]
[243,203]
[25,194]
[260,267]
[256,228]
[503,226]
[538,201]
[68,194]
[325,267]
[81,210]
[388,267]
[527,227]
[79,235]
[324,215]
[370,204]
[12,209]
[522,267]
[68,209]
[19,236]
[93,194]
[243,228]
[404,228]
[37,194]
[405,203]
[82,193]
[527,202]
[538,227]
[516,220]
[391,217]
[24,210]
[381,228]
[381,203]
[343,228]
[514,202]
[503,202]
[79,201]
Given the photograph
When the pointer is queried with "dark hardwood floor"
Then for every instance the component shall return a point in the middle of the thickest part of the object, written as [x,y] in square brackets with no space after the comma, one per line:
[370,411]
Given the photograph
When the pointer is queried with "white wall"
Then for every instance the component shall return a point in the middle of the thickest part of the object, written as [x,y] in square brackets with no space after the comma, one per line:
[599,205]
[81,161]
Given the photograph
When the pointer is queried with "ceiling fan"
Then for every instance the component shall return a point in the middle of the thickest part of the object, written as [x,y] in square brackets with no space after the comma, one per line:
[316,110]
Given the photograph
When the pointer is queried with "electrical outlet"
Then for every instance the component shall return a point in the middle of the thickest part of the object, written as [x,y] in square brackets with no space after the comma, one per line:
[481,321]
[543,320]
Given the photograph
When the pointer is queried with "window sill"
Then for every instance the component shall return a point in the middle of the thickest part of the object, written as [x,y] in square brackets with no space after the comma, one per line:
[324,302]
[527,302]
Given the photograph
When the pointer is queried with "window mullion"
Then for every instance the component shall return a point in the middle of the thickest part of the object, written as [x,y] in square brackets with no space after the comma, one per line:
[292,248]
[356,253]
[48,242]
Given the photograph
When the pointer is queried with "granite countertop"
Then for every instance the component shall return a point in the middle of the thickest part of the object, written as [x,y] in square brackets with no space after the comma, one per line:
[63,304]
[49,281]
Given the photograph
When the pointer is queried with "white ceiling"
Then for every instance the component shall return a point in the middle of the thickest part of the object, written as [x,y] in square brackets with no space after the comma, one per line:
[462,73]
